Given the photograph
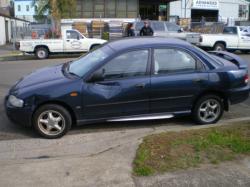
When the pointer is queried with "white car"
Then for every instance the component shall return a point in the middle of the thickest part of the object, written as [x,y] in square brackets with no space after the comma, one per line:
[232,38]
[72,41]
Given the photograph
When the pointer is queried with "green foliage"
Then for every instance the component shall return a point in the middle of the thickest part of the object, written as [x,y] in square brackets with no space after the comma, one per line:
[181,150]
[65,8]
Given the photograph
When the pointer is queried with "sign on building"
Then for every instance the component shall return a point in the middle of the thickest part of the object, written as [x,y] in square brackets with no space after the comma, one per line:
[205,4]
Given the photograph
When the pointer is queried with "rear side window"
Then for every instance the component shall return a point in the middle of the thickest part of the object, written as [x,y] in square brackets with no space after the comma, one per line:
[158,26]
[172,27]
[172,60]
[230,30]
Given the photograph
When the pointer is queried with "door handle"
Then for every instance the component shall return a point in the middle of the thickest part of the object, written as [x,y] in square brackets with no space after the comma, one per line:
[141,85]
[67,40]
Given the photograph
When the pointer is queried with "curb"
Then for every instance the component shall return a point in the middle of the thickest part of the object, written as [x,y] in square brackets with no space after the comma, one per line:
[32,57]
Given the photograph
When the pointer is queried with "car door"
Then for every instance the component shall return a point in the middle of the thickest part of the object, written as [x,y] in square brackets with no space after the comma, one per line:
[230,35]
[124,89]
[74,42]
[177,77]
[244,41]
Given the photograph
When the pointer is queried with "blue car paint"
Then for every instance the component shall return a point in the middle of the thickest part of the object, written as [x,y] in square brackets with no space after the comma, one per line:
[174,93]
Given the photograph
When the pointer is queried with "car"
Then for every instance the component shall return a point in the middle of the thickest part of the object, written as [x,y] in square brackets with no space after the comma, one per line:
[161,29]
[129,79]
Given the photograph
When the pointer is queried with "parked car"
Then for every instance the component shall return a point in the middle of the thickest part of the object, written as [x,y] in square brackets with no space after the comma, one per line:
[162,29]
[232,38]
[72,41]
[130,79]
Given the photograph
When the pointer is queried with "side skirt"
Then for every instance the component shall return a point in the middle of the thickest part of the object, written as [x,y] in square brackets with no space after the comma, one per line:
[156,116]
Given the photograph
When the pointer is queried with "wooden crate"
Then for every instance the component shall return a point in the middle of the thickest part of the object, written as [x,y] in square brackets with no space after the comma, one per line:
[81,27]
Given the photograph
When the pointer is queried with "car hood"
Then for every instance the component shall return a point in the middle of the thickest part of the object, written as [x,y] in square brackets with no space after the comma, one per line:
[41,76]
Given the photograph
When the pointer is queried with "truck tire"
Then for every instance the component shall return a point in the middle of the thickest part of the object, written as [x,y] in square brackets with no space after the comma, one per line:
[219,47]
[42,53]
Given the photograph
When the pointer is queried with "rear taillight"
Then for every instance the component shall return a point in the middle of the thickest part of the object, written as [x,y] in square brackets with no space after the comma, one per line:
[201,39]
[246,78]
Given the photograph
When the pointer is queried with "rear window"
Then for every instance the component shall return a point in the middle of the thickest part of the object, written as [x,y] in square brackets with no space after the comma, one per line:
[230,30]
[172,27]
[211,58]
[158,26]
[138,26]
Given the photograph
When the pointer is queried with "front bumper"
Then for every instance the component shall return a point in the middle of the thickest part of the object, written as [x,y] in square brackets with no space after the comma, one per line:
[238,95]
[20,116]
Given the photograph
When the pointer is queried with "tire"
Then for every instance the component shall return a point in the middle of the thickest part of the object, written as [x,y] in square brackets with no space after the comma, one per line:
[204,113]
[54,126]
[42,53]
[219,47]
[245,51]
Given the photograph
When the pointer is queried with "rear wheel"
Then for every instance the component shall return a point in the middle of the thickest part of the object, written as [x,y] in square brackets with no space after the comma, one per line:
[52,121]
[42,53]
[219,47]
[208,109]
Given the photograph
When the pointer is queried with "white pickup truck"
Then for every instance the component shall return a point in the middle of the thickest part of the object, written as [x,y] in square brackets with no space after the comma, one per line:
[72,41]
[232,38]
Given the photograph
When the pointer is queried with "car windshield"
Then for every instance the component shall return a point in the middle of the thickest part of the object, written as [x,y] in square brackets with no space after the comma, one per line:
[85,63]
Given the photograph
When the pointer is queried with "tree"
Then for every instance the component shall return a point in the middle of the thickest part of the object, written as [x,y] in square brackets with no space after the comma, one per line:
[56,10]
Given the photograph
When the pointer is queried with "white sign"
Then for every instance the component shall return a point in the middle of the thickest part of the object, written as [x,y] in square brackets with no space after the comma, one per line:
[205,4]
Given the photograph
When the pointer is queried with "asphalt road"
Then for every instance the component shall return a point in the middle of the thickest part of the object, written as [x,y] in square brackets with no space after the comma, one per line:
[11,71]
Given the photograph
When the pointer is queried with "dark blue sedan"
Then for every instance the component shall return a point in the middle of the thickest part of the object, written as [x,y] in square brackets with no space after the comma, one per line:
[131,79]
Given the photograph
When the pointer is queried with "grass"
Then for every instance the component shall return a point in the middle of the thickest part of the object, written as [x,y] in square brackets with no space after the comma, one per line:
[171,151]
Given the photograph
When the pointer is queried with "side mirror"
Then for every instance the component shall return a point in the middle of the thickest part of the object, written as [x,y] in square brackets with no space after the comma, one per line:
[180,30]
[98,76]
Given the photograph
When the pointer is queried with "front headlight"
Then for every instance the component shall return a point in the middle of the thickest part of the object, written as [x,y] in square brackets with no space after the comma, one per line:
[14,101]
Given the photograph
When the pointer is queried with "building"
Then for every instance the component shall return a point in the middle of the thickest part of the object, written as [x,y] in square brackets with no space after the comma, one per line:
[6,7]
[12,28]
[211,10]
[25,10]
[146,9]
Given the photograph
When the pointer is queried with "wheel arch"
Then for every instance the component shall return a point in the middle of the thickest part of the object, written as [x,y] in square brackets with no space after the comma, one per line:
[93,45]
[213,92]
[60,103]
[222,42]
[41,46]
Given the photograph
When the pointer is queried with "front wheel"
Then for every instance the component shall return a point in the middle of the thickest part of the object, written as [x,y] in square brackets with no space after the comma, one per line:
[52,121]
[208,109]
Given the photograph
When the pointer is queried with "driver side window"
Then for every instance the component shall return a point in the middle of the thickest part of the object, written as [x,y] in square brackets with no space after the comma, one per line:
[129,64]
[73,35]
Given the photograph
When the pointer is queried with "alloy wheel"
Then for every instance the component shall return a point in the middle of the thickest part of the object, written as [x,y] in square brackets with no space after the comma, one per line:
[51,122]
[209,110]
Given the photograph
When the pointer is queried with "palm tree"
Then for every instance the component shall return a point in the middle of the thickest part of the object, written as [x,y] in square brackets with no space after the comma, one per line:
[56,10]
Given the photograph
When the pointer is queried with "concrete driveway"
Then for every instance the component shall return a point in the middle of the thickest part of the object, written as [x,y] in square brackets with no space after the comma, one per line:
[99,154]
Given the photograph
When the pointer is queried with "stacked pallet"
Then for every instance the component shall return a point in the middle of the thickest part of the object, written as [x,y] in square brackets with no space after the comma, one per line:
[97,28]
[184,22]
[81,27]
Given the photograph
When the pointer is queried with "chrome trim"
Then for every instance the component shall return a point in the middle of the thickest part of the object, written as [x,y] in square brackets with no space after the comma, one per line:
[142,118]
[88,121]
[143,100]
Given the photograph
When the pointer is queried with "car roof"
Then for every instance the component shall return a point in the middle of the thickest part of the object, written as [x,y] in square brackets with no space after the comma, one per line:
[140,42]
